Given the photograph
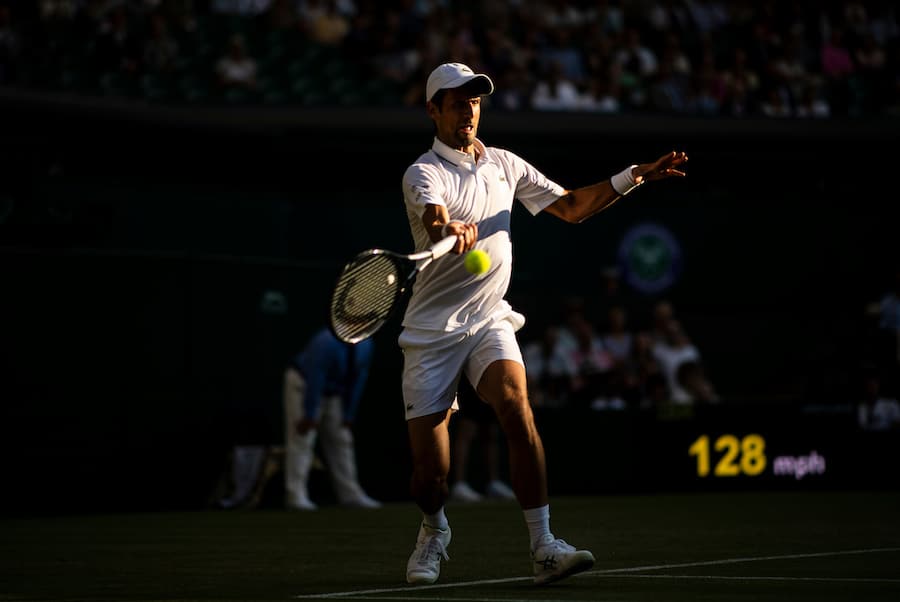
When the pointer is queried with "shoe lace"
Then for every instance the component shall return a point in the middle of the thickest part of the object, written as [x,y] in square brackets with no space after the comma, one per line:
[431,550]
[559,545]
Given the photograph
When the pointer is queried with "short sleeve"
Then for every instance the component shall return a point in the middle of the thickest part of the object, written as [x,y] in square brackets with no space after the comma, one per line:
[533,189]
[422,186]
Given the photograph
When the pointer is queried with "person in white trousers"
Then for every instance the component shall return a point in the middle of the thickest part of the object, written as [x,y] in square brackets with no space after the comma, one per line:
[323,385]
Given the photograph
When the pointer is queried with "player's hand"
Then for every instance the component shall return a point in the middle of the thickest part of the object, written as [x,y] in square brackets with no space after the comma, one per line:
[665,167]
[305,425]
[466,235]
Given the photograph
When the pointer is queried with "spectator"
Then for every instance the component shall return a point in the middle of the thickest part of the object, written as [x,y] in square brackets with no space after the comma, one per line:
[662,313]
[775,103]
[160,52]
[886,312]
[837,68]
[593,366]
[618,341]
[617,338]
[788,70]
[639,66]
[236,70]
[741,85]
[556,92]
[513,92]
[119,46]
[550,371]
[645,383]
[561,53]
[674,350]
[602,95]
[872,63]
[811,103]
[573,310]
[657,396]
[613,292]
[877,411]
[691,377]
[708,88]
[323,386]
[323,22]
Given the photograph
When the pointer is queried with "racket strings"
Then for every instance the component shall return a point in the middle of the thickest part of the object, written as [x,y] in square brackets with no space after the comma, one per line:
[364,296]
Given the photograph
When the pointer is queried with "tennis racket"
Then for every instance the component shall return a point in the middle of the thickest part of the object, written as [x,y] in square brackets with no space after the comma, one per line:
[370,288]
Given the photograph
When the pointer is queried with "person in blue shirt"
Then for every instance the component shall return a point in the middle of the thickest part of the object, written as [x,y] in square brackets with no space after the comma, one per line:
[323,385]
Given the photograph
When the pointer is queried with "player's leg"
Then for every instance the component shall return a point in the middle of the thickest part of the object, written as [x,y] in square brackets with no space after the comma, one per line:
[489,439]
[429,440]
[496,365]
[503,386]
[431,372]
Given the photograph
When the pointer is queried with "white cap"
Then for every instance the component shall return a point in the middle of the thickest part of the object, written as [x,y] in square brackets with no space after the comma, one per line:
[454,75]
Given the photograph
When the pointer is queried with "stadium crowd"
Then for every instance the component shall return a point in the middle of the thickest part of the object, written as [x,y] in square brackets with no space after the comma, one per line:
[734,58]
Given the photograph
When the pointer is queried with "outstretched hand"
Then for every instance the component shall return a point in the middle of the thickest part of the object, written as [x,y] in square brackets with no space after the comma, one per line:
[665,167]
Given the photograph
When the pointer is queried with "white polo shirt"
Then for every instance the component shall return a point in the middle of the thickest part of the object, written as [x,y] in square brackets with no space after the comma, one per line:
[445,296]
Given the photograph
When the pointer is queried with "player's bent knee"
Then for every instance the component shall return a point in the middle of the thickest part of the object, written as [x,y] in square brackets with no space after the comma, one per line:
[513,412]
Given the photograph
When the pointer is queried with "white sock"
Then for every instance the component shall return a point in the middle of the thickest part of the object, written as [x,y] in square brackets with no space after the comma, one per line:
[538,521]
[438,520]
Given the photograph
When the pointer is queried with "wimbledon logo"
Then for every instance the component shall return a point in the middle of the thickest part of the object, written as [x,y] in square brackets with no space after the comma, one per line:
[650,257]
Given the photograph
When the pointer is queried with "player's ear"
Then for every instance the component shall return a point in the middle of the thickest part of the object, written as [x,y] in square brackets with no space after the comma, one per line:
[433,109]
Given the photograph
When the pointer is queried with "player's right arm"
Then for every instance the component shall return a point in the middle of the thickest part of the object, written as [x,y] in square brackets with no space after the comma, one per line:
[437,222]
[424,191]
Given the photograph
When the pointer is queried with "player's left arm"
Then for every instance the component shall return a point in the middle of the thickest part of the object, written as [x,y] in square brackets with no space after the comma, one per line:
[579,204]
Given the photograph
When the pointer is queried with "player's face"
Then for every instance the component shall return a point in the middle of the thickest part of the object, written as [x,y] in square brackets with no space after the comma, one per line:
[457,119]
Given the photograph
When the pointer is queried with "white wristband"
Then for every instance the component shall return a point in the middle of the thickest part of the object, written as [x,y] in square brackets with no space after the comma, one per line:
[623,182]
[444,227]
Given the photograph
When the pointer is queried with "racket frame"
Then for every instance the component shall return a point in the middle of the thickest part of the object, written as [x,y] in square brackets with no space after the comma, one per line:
[407,268]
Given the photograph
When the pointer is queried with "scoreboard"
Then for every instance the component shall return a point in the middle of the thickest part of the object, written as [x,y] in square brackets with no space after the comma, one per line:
[764,445]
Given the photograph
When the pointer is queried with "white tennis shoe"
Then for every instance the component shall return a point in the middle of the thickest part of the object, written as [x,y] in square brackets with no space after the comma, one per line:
[554,559]
[424,565]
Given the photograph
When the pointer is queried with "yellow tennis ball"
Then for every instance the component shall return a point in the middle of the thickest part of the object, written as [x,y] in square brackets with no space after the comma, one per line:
[477,261]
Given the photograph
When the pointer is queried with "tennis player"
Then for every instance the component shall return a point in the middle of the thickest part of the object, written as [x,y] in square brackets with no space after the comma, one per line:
[457,323]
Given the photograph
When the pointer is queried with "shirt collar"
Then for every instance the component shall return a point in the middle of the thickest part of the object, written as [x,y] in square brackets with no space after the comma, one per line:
[454,156]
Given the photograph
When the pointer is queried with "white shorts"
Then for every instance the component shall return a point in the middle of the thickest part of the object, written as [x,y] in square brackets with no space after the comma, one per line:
[433,363]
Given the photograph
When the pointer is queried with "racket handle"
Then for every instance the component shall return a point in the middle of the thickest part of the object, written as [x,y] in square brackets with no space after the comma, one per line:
[443,246]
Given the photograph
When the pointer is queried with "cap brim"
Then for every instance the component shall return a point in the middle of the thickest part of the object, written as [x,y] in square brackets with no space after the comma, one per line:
[481,84]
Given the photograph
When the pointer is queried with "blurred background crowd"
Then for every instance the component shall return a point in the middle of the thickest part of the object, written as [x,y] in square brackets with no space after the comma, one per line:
[617,351]
[787,58]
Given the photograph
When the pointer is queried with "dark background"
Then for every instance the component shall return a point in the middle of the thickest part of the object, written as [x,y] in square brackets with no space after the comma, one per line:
[160,266]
